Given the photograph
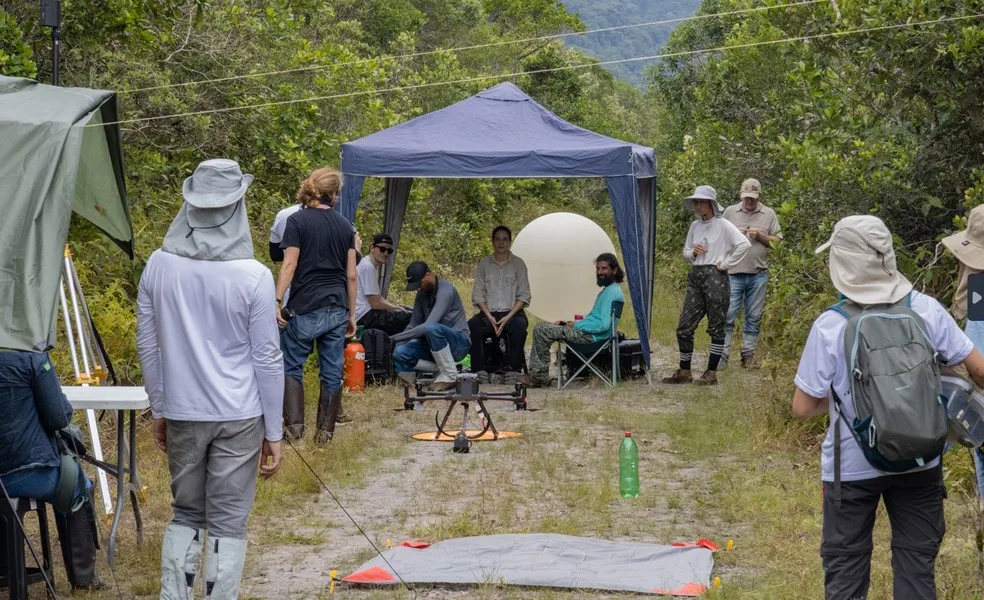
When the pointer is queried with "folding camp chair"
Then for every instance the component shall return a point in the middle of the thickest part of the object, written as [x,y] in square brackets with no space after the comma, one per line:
[587,353]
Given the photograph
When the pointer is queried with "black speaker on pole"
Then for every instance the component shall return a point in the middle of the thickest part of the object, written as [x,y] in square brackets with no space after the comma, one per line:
[51,13]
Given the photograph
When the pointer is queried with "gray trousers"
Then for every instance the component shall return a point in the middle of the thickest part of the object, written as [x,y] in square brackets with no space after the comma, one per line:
[213,468]
[914,502]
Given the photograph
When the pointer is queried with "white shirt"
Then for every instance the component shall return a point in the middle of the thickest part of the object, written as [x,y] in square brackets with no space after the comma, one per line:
[280,223]
[823,364]
[367,276]
[722,241]
[208,341]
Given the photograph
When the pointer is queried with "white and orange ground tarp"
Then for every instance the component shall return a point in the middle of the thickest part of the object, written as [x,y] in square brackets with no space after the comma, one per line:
[547,560]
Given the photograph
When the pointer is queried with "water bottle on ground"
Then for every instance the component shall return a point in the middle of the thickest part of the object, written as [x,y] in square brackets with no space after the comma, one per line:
[628,467]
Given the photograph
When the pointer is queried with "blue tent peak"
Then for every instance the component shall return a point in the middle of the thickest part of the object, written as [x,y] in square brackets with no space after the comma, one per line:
[506,92]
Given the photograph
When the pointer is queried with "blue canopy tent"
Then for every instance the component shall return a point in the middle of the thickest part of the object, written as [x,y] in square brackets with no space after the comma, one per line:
[502,132]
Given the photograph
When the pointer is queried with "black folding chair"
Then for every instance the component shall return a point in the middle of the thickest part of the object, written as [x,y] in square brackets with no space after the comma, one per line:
[587,353]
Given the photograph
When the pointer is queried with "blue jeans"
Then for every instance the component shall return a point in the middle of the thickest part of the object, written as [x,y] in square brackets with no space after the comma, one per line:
[748,289]
[42,483]
[326,326]
[436,336]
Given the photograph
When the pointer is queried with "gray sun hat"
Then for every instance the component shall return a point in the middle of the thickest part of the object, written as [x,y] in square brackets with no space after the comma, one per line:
[704,192]
[862,261]
[216,183]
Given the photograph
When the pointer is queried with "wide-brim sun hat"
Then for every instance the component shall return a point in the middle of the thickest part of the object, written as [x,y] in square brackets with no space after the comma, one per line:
[704,192]
[968,245]
[217,183]
[862,261]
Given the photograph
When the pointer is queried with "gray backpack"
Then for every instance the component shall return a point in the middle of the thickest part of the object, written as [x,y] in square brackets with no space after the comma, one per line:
[894,375]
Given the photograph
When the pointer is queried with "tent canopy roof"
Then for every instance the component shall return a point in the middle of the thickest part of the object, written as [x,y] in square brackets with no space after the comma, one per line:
[499,132]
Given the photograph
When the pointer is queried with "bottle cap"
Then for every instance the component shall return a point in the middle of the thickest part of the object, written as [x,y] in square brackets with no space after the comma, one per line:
[628,434]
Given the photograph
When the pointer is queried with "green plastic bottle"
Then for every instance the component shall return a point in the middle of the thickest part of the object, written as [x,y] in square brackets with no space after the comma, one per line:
[628,467]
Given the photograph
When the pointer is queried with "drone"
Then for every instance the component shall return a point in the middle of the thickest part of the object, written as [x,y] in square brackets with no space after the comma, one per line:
[465,392]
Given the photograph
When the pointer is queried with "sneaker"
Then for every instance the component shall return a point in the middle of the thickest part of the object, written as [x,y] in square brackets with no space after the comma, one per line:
[679,376]
[708,378]
[497,379]
[482,377]
[748,361]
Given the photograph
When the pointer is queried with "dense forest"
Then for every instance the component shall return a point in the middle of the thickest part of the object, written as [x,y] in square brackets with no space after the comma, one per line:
[883,117]
[627,43]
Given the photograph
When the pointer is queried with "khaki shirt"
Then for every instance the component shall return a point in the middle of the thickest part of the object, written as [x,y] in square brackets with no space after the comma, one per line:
[500,286]
[763,219]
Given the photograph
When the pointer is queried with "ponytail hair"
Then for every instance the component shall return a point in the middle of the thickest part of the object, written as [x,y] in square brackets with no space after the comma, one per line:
[321,187]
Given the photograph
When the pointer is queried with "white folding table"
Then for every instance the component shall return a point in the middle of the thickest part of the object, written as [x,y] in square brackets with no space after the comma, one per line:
[119,399]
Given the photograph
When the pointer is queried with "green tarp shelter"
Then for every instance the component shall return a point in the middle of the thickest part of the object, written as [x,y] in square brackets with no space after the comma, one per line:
[55,158]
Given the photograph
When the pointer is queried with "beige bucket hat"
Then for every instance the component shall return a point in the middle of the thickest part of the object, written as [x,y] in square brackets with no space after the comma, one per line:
[968,245]
[862,261]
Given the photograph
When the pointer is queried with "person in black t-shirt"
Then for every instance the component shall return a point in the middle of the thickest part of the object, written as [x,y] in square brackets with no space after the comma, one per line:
[319,267]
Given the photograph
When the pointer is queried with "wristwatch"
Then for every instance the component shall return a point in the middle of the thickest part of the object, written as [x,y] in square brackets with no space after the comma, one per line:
[280,300]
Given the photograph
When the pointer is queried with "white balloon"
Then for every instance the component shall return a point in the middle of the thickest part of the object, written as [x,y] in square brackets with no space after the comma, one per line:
[559,250]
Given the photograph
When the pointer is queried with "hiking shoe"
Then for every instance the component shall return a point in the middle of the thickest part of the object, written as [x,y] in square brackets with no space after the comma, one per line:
[482,377]
[497,379]
[679,376]
[343,419]
[708,378]
[323,437]
[512,377]
[748,361]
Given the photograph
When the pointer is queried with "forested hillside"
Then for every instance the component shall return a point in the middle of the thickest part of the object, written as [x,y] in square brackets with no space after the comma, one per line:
[627,43]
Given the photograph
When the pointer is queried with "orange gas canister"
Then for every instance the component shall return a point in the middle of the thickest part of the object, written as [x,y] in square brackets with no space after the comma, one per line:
[354,378]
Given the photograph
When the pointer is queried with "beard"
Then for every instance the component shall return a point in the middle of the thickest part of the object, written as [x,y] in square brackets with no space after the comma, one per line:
[605,280]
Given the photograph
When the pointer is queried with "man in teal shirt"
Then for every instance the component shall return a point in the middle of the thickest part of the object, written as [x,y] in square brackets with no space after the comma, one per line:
[596,326]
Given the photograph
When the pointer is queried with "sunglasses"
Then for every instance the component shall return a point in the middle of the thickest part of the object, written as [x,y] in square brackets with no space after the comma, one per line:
[386,249]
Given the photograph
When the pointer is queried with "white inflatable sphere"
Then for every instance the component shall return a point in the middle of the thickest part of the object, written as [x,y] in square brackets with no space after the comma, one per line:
[559,250]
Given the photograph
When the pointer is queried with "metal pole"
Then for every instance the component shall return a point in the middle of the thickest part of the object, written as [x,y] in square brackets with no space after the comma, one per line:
[55,55]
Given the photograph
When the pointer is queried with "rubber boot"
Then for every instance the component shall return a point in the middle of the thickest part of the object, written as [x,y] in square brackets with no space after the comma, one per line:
[77,535]
[180,553]
[224,560]
[328,406]
[293,408]
[447,370]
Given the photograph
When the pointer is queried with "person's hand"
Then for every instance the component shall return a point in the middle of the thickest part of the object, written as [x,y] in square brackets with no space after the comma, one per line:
[699,249]
[358,242]
[280,320]
[270,459]
[492,321]
[718,266]
[352,328]
[752,233]
[502,325]
[160,433]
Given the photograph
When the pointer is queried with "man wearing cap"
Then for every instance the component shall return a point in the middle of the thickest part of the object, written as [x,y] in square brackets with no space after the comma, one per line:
[437,330]
[863,269]
[750,277]
[500,293]
[372,311]
[210,353]
[713,246]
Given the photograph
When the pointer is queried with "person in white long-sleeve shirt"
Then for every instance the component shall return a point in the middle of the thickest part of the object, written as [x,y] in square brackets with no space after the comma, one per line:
[209,346]
[713,246]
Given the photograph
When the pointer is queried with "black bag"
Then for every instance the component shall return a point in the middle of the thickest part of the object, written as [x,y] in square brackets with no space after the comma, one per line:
[379,356]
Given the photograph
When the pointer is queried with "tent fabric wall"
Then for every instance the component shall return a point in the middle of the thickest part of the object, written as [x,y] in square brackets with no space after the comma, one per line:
[397,196]
[50,164]
[502,132]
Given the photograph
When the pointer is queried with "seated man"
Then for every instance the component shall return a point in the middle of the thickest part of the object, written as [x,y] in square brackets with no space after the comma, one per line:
[437,329]
[372,311]
[595,327]
[34,408]
[501,292]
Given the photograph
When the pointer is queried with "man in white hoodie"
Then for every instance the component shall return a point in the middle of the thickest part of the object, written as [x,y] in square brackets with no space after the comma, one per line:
[713,246]
[210,351]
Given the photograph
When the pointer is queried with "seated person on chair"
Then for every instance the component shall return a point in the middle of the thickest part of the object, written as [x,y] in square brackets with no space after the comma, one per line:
[34,408]
[437,330]
[596,326]
[372,311]
[500,293]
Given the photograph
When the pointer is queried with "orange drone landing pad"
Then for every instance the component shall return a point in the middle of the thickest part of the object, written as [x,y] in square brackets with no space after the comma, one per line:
[430,436]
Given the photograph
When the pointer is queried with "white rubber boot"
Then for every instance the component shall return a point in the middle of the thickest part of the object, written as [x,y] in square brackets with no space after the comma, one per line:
[447,370]
[224,561]
[181,552]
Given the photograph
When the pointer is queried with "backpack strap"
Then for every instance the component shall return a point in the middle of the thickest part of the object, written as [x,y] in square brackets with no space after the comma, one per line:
[845,308]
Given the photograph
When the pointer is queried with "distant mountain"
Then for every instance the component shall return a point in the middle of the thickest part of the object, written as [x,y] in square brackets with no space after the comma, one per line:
[627,43]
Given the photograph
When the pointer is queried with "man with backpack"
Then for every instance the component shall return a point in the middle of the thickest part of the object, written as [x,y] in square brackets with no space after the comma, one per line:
[873,362]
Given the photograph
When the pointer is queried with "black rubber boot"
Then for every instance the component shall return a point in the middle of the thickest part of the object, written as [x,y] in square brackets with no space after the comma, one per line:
[293,408]
[329,406]
[78,539]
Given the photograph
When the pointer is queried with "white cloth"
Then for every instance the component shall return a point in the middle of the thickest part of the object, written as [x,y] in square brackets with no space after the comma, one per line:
[823,364]
[366,275]
[208,341]
[722,241]
[280,223]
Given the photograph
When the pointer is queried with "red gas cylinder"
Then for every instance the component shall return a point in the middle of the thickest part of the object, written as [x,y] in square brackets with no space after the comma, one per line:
[354,375]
